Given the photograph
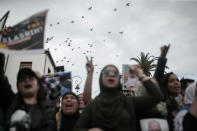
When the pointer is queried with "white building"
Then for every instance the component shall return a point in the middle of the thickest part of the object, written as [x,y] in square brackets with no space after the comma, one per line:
[41,62]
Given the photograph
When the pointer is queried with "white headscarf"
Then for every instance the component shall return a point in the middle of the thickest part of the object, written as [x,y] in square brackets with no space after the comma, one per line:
[190,93]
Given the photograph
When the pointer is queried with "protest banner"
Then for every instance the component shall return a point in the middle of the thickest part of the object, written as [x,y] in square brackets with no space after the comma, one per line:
[26,35]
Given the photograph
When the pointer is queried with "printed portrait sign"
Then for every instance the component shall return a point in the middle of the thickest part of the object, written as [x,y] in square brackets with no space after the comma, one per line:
[154,125]
[129,81]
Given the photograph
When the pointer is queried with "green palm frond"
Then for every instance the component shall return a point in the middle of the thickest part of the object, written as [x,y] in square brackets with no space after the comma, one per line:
[147,62]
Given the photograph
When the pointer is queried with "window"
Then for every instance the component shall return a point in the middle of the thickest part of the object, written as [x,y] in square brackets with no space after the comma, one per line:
[26,65]
[49,71]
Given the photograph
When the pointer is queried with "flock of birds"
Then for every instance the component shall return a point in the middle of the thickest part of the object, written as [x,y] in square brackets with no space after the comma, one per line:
[68,43]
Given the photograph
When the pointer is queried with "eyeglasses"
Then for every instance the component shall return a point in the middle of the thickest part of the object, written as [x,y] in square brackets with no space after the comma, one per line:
[107,73]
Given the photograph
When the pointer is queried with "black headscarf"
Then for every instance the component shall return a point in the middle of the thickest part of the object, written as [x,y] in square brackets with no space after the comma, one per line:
[68,121]
[109,104]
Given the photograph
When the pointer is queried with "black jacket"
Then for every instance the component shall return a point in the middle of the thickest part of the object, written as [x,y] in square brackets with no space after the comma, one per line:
[42,116]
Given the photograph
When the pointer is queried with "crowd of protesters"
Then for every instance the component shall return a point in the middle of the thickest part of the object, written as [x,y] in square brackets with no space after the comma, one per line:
[33,108]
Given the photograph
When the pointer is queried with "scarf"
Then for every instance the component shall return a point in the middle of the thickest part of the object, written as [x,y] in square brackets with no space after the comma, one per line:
[68,122]
[109,105]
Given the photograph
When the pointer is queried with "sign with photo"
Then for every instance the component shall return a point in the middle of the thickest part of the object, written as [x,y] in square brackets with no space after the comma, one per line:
[154,124]
[131,84]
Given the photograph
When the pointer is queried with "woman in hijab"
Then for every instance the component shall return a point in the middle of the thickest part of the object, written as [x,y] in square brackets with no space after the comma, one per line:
[69,111]
[111,110]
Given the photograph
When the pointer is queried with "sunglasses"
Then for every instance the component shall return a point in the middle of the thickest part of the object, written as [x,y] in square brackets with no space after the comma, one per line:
[107,73]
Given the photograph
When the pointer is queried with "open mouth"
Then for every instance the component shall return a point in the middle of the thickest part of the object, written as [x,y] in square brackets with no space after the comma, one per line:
[27,86]
[177,88]
[111,81]
[69,105]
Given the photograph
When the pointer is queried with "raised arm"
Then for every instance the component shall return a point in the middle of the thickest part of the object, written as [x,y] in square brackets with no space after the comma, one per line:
[161,64]
[154,94]
[88,84]
[159,73]
[6,91]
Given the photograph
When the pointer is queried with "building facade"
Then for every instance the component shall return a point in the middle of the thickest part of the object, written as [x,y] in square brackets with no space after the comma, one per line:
[40,62]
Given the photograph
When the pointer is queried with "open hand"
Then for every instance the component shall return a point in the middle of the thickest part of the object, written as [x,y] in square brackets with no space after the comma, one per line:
[137,69]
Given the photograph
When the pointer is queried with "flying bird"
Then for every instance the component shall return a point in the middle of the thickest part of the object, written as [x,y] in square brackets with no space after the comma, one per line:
[91,29]
[127,4]
[66,40]
[121,32]
[72,21]
[82,17]
[51,25]
[90,8]
[58,23]
[115,9]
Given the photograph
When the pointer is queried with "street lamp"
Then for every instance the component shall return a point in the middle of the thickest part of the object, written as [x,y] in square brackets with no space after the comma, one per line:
[77,80]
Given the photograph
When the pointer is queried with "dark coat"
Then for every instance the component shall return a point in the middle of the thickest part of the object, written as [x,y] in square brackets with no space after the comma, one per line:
[42,118]
[189,122]
[126,118]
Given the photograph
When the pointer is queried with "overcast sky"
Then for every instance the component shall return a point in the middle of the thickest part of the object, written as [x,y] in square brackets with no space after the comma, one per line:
[113,31]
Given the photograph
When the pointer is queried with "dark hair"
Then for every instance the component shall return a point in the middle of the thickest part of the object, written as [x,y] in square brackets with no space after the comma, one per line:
[101,74]
[71,93]
[25,71]
[165,82]
[184,82]
[165,79]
